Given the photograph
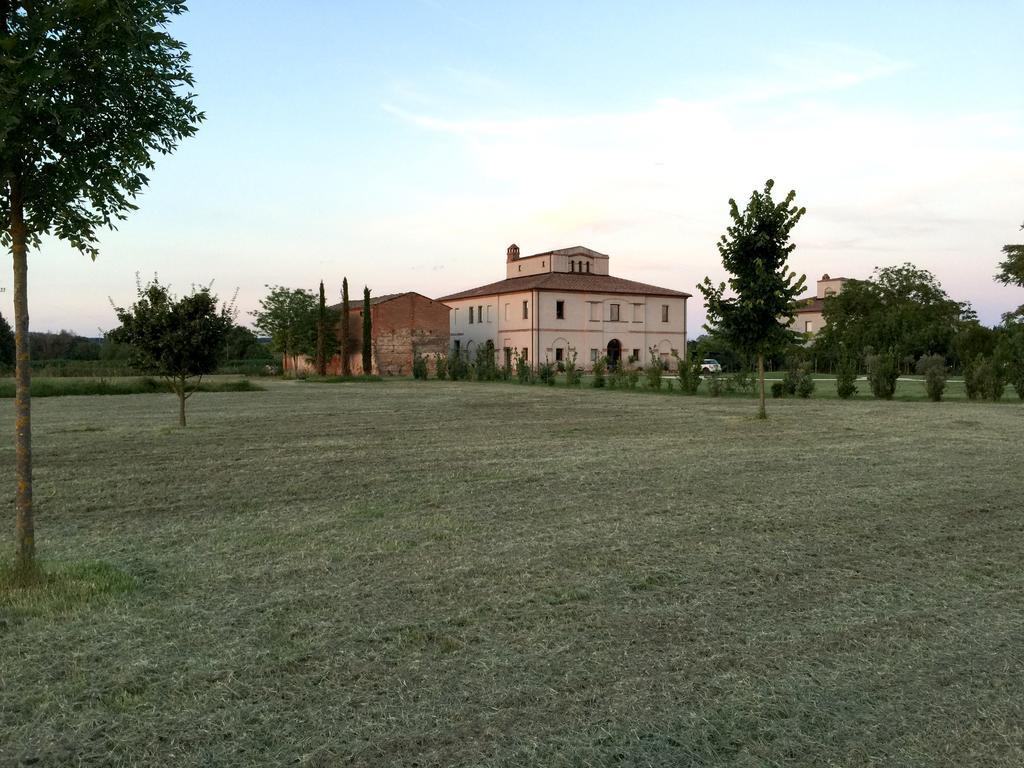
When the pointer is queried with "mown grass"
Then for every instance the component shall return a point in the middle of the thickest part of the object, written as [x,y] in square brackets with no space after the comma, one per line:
[60,387]
[436,574]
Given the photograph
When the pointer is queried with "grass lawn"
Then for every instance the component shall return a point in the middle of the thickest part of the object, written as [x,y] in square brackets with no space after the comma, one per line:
[434,574]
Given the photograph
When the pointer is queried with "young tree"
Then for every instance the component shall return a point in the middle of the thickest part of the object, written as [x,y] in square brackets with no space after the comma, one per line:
[755,250]
[288,317]
[1011,269]
[346,343]
[367,334]
[178,339]
[321,333]
[89,93]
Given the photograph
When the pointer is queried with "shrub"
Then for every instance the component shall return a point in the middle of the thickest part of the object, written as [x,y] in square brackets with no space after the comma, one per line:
[846,375]
[1016,376]
[485,368]
[668,385]
[688,373]
[632,378]
[653,369]
[600,367]
[882,374]
[988,378]
[933,368]
[745,381]
[714,385]
[777,389]
[458,368]
[804,381]
[505,372]
[572,373]
[419,366]
[546,373]
[441,366]
[524,374]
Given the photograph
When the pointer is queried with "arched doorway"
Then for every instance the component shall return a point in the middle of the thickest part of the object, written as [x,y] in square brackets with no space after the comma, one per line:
[614,353]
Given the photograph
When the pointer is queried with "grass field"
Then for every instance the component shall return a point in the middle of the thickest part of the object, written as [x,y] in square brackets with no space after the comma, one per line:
[434,574]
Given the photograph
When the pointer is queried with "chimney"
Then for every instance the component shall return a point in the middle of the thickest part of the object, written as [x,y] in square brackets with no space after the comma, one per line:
[512,252]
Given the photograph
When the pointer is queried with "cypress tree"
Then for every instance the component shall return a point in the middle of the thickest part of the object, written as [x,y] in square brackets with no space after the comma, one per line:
[321,334]
[346,346]
[367,334]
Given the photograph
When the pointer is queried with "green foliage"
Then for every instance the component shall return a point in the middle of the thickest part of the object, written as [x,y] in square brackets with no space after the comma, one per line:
[547,373]
[45,387]
[63,345]
[805,382]
[987,377]
[419,366]
[441,366]
[846,377]
[368,334]
[573,375]
[654,369]
[598,372]
[1011,269]
[177,338]
[524,374]
[973,339]
[458,366]
[6,344]
[883,372]
[755,251]
[485,366]
[714,381]
[243,344]
[903,309]
[90,92]
[688,373]
[933,368]
[346,331]
[288,317]
[778,389]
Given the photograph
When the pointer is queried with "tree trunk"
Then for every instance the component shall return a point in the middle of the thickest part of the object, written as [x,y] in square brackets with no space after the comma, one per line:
[179,387]
[761,413]
[24,524]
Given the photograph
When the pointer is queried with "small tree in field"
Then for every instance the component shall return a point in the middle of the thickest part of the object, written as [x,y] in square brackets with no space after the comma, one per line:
[346,342]
[90,92]
[180,339]
[367,334]
[755,250]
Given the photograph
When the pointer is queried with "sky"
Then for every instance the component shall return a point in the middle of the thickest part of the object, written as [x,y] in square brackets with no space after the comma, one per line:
[406,143]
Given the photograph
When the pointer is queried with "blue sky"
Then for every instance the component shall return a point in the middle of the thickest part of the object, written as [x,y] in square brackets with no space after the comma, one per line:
[406,144]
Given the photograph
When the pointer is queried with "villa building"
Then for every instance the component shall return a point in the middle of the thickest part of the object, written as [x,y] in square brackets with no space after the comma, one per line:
[555,304]
[809,318]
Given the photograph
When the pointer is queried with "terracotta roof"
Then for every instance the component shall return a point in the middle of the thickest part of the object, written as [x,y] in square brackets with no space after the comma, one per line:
[356,302]
[809,304]
[565,281]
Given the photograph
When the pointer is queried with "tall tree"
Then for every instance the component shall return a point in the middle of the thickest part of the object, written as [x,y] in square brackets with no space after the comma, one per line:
[755,251]
[89,93]
[346,343]
[321,333]
[180,339]
[1011,269]
[6,344]
[367,334]
[288,317]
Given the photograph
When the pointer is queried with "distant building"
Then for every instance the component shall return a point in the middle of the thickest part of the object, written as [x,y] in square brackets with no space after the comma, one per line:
[553,304]
[402,325]
[809,317]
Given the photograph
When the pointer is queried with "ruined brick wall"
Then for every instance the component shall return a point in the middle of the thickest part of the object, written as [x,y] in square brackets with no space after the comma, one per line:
[403,326]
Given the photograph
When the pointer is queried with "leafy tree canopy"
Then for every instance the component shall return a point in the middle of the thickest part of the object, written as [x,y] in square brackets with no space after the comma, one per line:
[1011,269]
[6,343]
[179,339]
[903,309]
[288,316]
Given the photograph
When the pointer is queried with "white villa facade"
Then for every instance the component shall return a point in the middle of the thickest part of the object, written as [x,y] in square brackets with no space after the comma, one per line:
[556,303]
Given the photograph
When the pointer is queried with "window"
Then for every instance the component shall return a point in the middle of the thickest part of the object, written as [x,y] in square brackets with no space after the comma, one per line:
[520,267]
[559,354]
[588,266]
[507,307]
[808,326]
[526,310]
[488,313]
[470,315]
[595,311]
[664,313]
[613,312]
[572,266]
[458,346]
[830,292]
[480,313]
[560,310]
[638,313]
[635,355]
[593,355]
[526,353]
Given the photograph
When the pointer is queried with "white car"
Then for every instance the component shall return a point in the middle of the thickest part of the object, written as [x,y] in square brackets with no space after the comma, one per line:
[710,366]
